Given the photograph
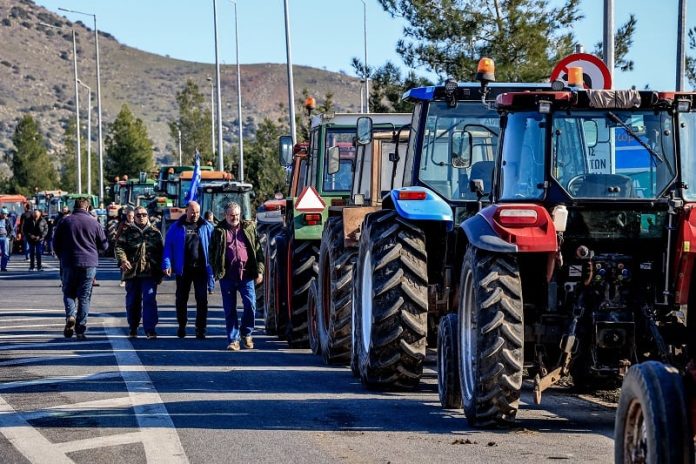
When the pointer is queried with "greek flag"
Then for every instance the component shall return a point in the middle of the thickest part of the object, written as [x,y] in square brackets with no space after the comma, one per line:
[195,179]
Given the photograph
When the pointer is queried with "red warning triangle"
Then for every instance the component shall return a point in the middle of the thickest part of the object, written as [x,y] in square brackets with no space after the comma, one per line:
[309,201]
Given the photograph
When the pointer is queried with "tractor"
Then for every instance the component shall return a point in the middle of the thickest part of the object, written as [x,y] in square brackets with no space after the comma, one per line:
[582,263]
[409,252]
[330,313]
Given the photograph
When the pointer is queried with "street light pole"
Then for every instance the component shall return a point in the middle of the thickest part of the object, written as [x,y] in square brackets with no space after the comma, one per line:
[221,165]
[212,115]
[239,96]
[367,77]
[179,131]
[291,86]
[89,137]
[100,145]
[77,116]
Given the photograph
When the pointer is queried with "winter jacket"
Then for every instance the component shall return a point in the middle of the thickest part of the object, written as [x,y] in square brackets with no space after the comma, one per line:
[9,226]
[142,248]
[218,245]
[35,230]
[175,245]
[78,239]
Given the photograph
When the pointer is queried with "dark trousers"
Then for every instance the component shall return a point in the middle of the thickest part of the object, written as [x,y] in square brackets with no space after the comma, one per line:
[141,299]
[35,251]
[199,279]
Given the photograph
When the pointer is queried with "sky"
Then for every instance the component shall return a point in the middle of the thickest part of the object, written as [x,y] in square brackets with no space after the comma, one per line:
[329,33]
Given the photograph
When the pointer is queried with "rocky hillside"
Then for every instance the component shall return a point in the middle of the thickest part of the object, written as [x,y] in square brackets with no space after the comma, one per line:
[36,77]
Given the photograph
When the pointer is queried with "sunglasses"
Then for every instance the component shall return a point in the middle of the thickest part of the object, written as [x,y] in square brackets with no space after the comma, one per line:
[141,215]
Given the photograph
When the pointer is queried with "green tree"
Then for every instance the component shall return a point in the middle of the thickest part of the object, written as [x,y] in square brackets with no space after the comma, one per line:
[303,117]
[526,38]
[261,161]
[623,39]
[68,171]
[194,122]
[128,148]
[387,86]
[31,167]
[690,60]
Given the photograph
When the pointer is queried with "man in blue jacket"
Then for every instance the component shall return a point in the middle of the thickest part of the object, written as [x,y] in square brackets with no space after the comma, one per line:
[77,242]
[186,255]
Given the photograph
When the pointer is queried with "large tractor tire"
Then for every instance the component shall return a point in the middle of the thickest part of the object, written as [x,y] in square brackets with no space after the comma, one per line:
[312,308]
[304,257]
[334,318]
[491,338]
[652,424]
[448,363]
[391,302]
[267,239]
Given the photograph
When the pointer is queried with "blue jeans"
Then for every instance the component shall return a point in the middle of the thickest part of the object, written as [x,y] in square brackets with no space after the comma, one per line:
[141,299]
[35,251]
[25,245]
[77,293]
[5,252]
[229,288]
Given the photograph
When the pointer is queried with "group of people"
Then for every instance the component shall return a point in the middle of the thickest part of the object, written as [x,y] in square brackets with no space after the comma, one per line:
[196,252]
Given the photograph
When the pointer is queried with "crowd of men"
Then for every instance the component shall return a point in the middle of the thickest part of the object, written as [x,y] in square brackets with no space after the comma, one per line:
[195,251]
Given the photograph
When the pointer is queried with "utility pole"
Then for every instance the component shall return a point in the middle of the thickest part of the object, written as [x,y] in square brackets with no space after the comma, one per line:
[681,39]
[239,97]
[367,75]
[212,115]
[221,164]
[89,137]
[77,116]
[291,86]
[608,42]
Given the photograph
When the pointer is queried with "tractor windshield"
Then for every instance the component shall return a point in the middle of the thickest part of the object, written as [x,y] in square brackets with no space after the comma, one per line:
[594,154]
[458,146]
[343,179]
[687,146]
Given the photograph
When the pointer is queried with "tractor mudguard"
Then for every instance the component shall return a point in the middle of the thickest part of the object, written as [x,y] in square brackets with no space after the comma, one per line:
[481,235]
[430,208]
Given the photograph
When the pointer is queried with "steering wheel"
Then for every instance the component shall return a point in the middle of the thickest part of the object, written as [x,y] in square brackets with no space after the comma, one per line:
[574,184]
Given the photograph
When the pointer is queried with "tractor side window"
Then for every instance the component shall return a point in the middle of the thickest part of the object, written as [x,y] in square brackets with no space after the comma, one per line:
[363,170]
[302,180]
[388,149]
[411,148]
[522,160]
[341,180]
[315,140]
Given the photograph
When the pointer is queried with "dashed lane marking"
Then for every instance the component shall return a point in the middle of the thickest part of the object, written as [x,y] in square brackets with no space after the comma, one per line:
[58,379]
[36,359]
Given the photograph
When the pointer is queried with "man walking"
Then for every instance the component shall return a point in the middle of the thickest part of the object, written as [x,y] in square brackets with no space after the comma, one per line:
[139,254]
[237,261]
[26,215]
[35,230]
[77,242]
[6,235]
[186,255]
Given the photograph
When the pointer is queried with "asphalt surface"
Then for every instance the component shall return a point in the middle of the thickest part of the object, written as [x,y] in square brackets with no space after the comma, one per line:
[110,399]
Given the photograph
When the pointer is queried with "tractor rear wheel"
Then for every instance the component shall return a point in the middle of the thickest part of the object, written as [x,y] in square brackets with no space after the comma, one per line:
[652,422]
[491,338]
[265,294]
[448,363]
[303,270]
[391,302]
[334,318]
[313,306]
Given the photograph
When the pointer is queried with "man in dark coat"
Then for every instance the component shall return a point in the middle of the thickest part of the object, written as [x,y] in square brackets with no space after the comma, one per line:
[35,230]
[77,242]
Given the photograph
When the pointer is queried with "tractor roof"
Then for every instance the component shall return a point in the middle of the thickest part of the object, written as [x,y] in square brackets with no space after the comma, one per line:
[592,99]
[470,91]
[351,119]
[222,186]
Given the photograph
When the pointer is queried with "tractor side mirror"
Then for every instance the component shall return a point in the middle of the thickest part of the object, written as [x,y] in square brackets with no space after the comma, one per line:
[364,130]
[285,150]
[334,162]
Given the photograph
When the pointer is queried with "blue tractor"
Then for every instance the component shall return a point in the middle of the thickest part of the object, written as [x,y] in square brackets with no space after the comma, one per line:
[410,252]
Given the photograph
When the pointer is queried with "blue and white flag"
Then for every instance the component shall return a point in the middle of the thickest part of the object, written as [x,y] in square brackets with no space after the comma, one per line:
[195,179]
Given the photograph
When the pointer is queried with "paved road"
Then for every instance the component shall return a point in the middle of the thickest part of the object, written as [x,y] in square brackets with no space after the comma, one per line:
[112,399]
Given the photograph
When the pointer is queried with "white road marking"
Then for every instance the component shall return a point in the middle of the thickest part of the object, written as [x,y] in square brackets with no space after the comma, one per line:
[33,326]
[33,359]
[99,442]
[50,345]
[26,439]
[58,379]
[161,442]
[68,409]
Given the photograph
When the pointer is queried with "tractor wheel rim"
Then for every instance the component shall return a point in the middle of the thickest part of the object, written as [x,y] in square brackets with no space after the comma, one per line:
[366,302]
[466,339]
[635,437]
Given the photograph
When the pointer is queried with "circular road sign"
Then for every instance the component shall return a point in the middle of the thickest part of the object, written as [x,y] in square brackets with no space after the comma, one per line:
[595,73]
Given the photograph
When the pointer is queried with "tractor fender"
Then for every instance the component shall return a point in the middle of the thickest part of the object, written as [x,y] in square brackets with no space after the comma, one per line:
[430,208]
[480,234]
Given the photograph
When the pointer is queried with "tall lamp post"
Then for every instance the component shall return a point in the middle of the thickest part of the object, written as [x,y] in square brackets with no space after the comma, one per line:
[291,88]
[89,137]
[99,107]
[212,114]
[77,107]
[367,77]
[221,164]
[239,95]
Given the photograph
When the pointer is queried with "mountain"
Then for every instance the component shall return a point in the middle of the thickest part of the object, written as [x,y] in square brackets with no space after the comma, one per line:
[36,77]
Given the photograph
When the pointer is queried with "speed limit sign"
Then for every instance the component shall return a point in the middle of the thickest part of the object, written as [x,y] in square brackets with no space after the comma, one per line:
[595,73]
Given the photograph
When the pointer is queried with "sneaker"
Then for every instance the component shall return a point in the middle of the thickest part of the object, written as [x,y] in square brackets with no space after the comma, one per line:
[122,284]
[248,342]
[69,327]
[181,332]
[81,336]
[133,333]
[200,335]
[40,269]
[31,269]
[151,335]
[234,346]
